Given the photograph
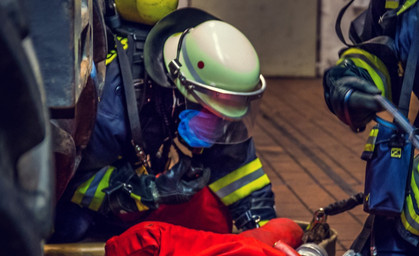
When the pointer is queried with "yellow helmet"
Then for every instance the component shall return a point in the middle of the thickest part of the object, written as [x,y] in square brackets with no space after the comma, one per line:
[145,11]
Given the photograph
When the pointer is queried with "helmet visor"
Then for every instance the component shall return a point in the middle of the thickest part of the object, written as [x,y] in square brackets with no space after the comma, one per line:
[227,104]
[202,128]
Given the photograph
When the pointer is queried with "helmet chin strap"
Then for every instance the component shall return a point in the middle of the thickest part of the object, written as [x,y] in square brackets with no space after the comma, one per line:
[174,71]
[174,65]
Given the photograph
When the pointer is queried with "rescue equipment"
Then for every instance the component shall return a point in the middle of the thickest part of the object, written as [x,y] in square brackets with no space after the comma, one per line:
[388,167]
[318,232]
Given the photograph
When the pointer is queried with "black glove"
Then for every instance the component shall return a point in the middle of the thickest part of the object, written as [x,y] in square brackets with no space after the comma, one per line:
[174,186]
[349,92]
[180,183]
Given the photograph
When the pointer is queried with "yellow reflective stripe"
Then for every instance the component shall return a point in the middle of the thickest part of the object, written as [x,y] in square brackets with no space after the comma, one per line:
[110,57]
[89,193]
[236,175]
[124,42]
[375,77]
[383,85]
[409,216]
[406,5]
[370,145]
[413,217]
[140,206]
[263,222]
[392,4]
[374,132]
[99,194]
[406,224]
[81,190]
[246,190]
[413,184]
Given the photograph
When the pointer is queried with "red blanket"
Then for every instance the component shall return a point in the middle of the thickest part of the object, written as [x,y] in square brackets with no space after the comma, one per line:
[163,239]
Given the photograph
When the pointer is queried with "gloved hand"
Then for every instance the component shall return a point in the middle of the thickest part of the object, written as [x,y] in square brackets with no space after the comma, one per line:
[129,192]
[349,95]
[180,183]
[284,229]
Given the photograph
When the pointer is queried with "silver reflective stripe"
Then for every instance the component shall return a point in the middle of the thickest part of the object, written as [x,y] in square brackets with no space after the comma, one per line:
[90,192]
[230,188]
[409,218]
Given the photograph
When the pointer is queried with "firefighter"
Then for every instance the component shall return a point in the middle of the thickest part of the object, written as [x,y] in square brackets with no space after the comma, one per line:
[383,40]
[200,96]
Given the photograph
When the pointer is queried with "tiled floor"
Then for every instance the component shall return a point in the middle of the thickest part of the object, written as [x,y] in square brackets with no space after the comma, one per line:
[312,159]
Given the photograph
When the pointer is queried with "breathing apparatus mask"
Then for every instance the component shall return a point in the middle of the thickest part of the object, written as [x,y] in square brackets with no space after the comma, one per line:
[201,128]
[217,70]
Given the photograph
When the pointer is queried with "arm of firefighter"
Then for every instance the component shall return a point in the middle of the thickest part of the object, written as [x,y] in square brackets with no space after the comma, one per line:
[119,188]
[279,229]
[241,184]
[116,188]
[254,210]
[349,87]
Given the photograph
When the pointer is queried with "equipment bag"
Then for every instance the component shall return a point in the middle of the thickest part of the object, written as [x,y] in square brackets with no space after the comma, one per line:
[389,159]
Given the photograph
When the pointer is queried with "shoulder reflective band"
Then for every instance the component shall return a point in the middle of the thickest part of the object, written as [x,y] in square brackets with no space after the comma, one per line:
[373,65]
[89,194]
[410,213]
[240,183]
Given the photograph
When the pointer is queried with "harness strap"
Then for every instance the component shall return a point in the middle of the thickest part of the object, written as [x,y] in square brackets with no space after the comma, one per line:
[365,234]
[338,29]
[131,103]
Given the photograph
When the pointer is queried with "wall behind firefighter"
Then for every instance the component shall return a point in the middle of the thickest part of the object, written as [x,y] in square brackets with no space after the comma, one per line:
[293,38]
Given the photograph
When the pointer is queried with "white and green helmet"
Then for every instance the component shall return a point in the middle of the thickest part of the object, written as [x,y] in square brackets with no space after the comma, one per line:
[210,61]
[213,64]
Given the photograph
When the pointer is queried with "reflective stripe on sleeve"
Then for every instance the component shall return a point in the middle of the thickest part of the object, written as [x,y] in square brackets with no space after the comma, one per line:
[240,183]
[409,218]
[373,65]
[410,213]
[89,194]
